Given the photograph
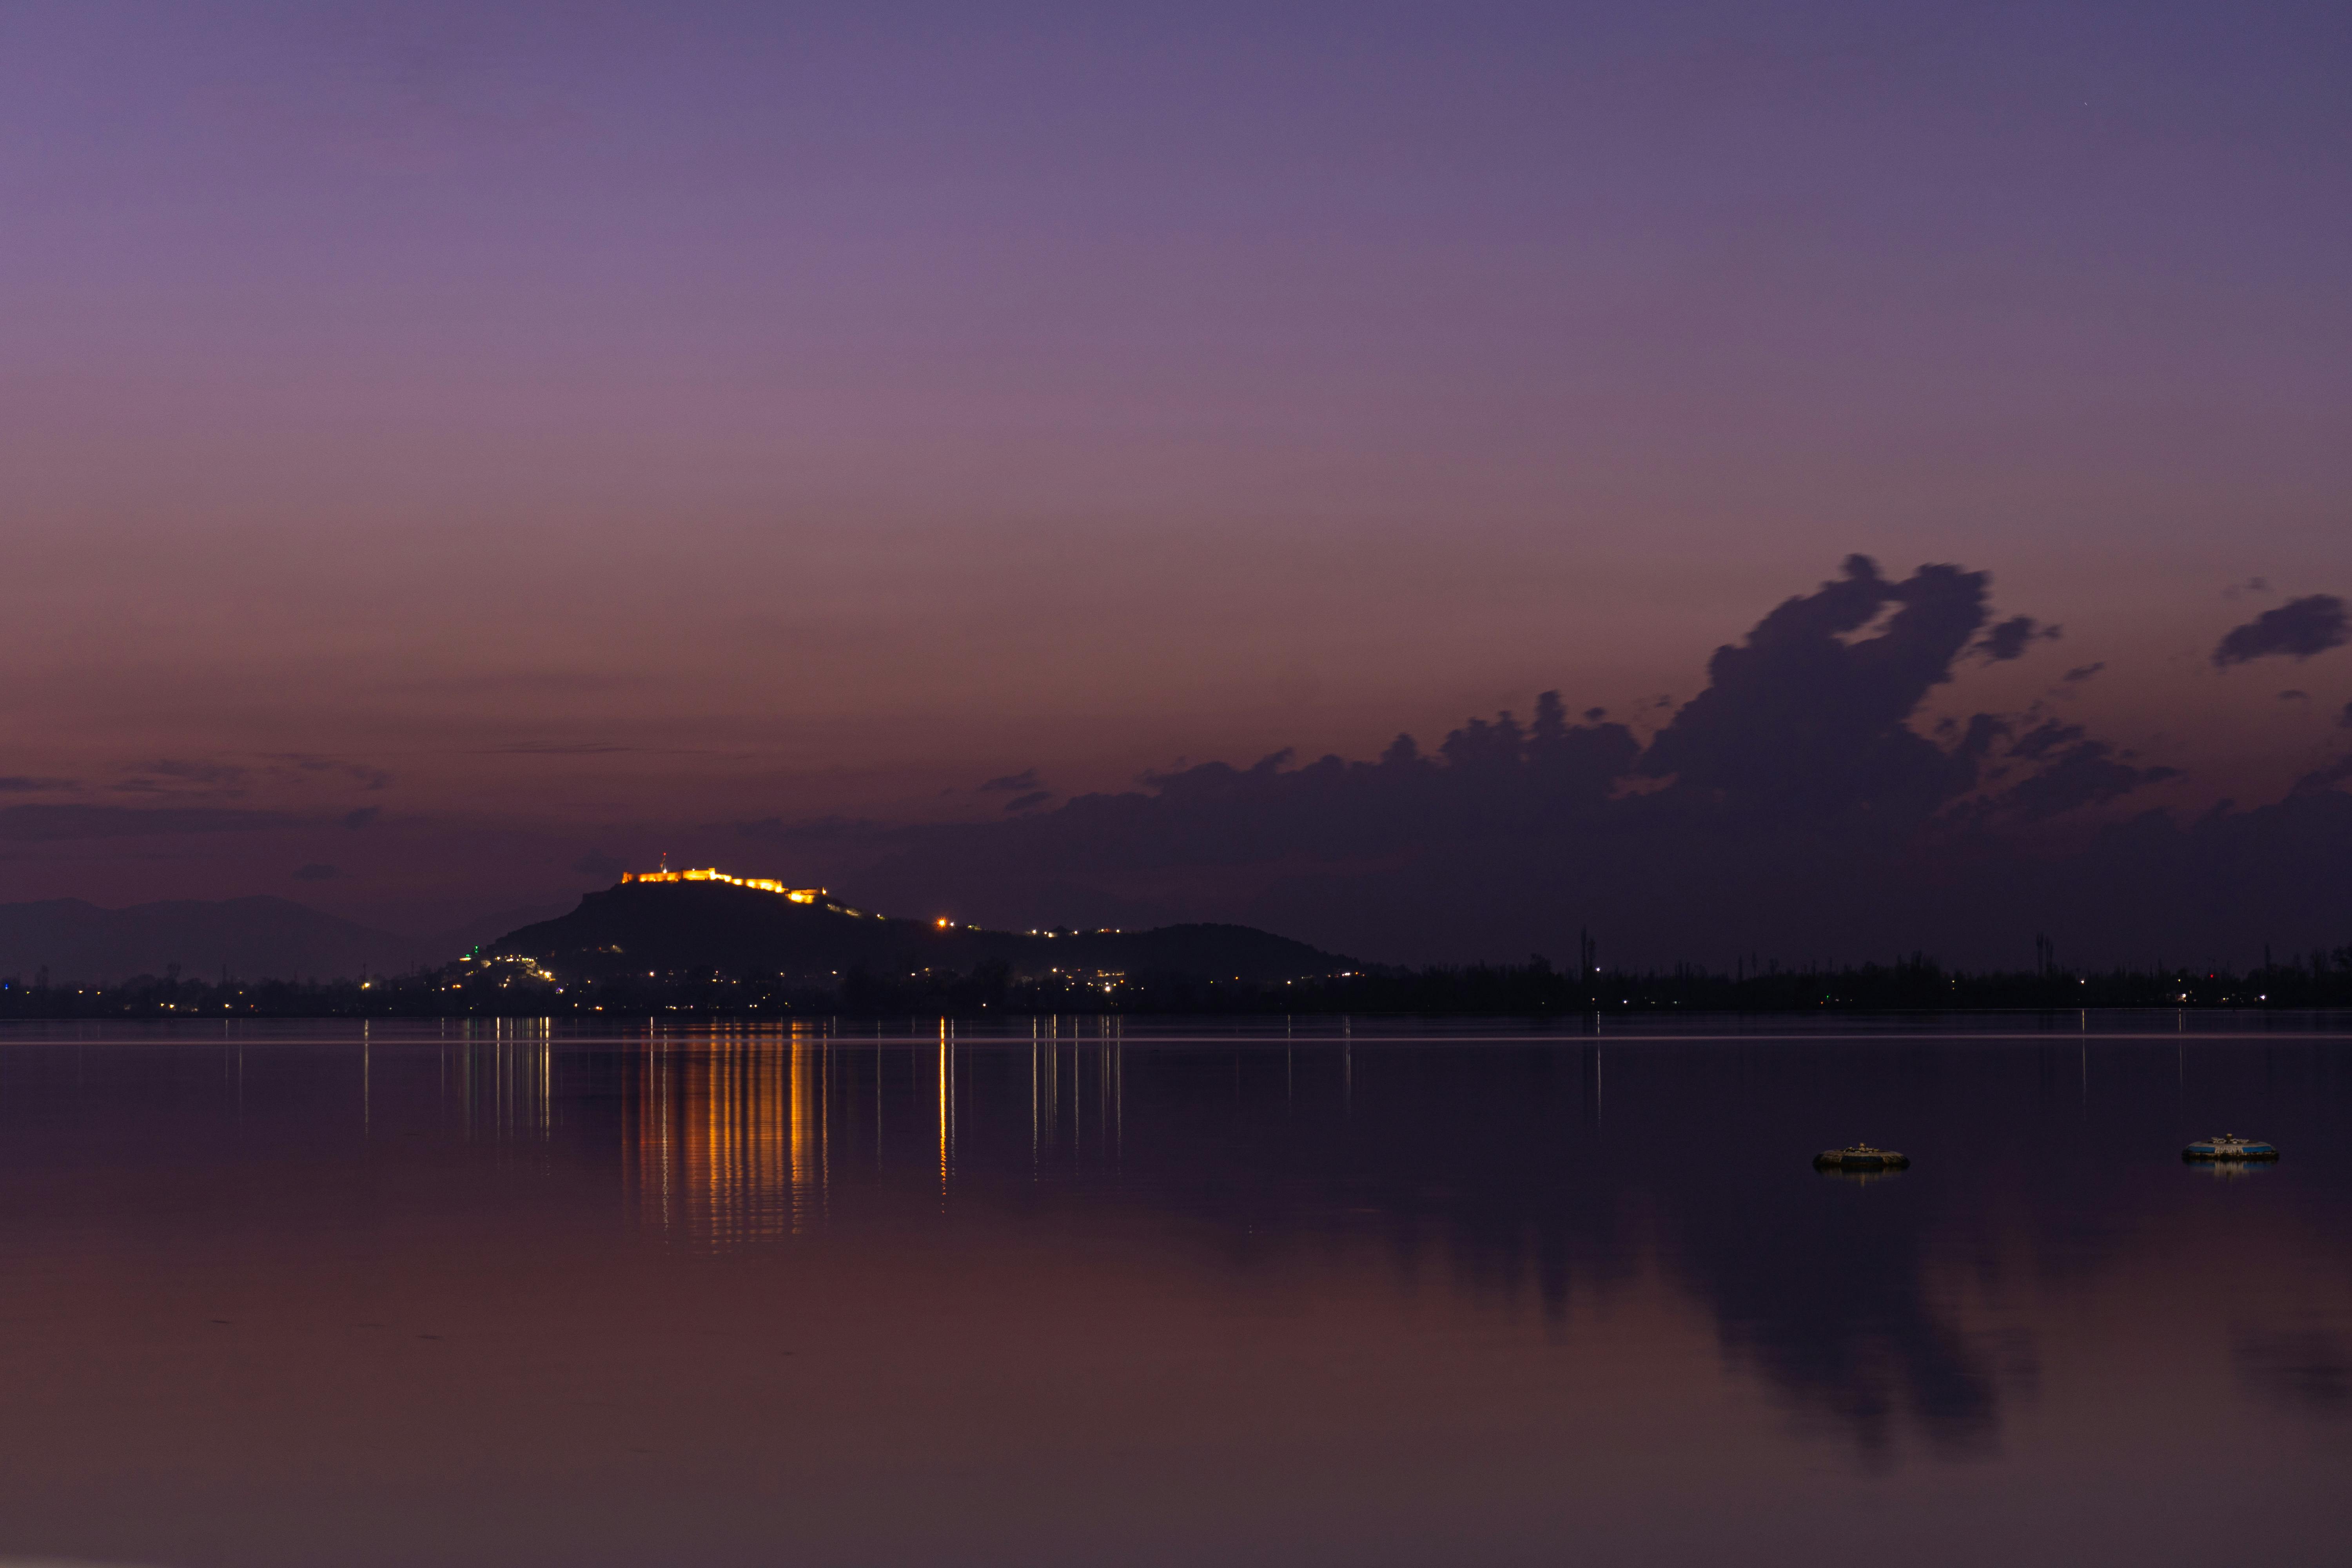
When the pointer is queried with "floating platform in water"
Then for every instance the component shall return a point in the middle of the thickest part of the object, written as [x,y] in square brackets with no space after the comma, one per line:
[1860,1157]
[2230,1146]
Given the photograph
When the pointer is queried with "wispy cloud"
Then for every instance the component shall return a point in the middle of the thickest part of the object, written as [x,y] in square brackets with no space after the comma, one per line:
[365,774]
[1014,783]
[538,682]
[219,778]
[182,776]
[808,830]
[43,824]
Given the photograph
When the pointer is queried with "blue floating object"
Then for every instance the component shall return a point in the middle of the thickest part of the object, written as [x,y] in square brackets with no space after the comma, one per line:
[2230,1146]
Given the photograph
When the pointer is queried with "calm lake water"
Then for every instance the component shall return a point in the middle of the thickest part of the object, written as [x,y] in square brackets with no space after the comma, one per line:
[1400,1294]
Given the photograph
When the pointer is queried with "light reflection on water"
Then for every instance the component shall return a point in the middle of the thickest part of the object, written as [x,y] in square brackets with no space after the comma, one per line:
[1087,1290]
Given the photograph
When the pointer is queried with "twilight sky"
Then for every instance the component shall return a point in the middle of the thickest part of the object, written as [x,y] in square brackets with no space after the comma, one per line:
[539,432]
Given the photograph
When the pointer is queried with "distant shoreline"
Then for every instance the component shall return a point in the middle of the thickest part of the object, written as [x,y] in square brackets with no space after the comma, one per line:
[1535,990]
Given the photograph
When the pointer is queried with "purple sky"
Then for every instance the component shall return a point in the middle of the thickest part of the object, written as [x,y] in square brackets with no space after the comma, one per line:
[561,429]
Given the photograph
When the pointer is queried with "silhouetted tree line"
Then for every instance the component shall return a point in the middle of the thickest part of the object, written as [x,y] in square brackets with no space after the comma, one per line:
[1535,988]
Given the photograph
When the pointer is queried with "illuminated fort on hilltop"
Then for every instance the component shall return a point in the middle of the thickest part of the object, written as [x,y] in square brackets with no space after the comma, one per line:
[757,884]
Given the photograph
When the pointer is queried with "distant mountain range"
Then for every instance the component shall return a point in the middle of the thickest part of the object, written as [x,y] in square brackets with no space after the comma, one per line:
[674,928]
[258,938]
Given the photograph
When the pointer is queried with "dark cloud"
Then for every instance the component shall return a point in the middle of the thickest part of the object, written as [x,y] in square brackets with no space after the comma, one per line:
[2082,673]
[2343,720]
[2011,637]
[1795,806]
[364,817]
[1030,802]
[1804,720]
[19,784]
[54,822]
[2293,696]
[596,863]
[317,871]
[2079,773]
[2045,738]
[2296,629]
[1012,783]
[2326,776]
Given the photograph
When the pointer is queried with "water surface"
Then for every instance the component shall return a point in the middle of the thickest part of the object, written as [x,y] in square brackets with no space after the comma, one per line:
[919,1293]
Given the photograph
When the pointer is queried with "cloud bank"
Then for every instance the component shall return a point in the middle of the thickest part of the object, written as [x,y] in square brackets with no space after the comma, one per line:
[1800,806]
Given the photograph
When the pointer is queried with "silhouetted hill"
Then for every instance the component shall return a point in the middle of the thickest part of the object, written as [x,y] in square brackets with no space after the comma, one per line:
[701,927]
[253,938]
[484,930]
